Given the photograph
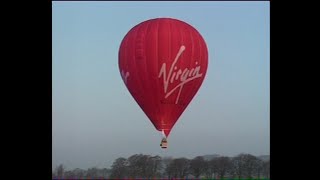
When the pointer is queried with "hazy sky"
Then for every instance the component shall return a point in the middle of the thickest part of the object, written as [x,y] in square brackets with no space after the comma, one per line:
[95,119]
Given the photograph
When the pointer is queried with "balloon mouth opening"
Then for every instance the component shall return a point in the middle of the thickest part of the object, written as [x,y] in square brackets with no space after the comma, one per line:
[165,132]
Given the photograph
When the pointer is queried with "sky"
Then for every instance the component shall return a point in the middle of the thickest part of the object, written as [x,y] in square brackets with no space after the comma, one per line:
[94,117]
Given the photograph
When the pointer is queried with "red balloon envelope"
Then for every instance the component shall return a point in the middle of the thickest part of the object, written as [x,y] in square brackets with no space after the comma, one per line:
[163,63]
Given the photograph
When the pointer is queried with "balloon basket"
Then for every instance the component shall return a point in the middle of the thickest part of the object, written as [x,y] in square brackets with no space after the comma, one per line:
[164,143]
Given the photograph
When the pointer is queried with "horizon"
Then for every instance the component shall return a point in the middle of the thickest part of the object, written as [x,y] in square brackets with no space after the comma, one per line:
[163,157]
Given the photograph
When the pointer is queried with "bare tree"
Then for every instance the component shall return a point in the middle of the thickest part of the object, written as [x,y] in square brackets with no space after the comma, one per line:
[105,172]
[119,168]
[79,173]
[133,169]
[207,170]
[69,174]
[145,163]
[139,165]
[197,166]
[212,168]
[237,169]
[258,168]
[154,166]
[146,166]
[250,165]
[266,169]
[166,161]
[244,165]
[178,168]
[92,173]
[60,171]
[223,165]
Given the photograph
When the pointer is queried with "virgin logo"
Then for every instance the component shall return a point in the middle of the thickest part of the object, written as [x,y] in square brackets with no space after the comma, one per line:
[175,74]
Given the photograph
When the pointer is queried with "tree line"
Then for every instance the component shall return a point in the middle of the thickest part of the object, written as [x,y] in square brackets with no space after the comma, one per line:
[147,166]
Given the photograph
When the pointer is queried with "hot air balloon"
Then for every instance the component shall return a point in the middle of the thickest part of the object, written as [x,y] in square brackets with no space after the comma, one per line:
[163,63]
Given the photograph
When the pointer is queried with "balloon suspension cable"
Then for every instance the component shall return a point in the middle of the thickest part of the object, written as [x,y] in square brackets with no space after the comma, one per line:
[163,134]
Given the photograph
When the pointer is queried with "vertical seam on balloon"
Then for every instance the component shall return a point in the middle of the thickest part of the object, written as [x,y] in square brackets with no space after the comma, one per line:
[170,51]
[169,110]
[189,65]
[181,39]
[148,86]
[179,65]
[156,123]
[157,95]
[157,68]
[135,67]
[190,29]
